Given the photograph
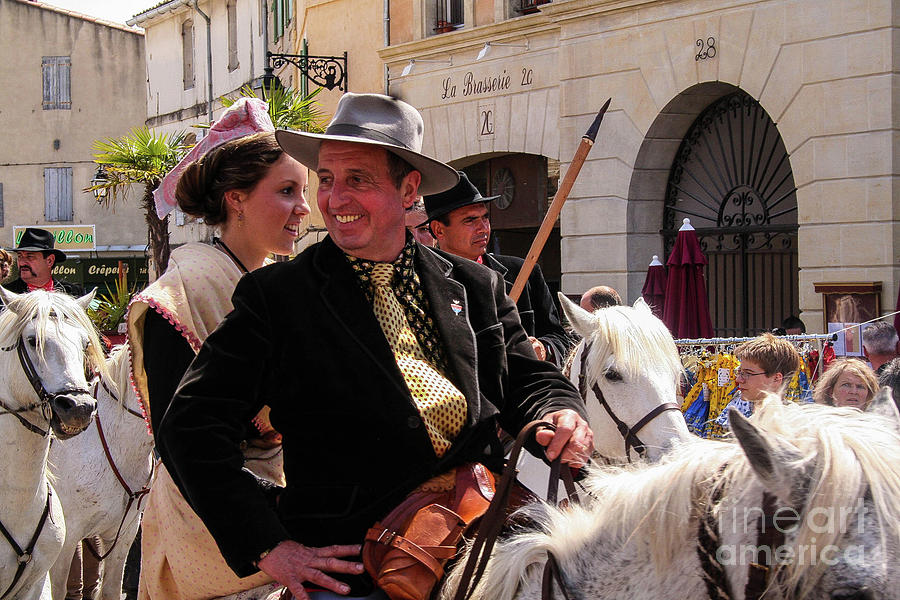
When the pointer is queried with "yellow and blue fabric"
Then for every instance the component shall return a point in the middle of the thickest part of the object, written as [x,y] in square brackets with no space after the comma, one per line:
[707,399]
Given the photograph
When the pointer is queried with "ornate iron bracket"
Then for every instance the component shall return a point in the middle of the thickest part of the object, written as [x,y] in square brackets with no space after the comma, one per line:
[326,71]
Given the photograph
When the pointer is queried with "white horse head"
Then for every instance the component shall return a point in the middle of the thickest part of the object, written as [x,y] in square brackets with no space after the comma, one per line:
[827,480]
[53,334]
[634,363]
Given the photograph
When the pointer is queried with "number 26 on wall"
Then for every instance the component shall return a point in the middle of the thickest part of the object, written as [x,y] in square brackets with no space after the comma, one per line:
[487,121]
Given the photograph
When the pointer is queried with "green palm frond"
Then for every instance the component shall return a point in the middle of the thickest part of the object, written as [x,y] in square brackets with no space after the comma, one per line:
[289,109]
[140,156]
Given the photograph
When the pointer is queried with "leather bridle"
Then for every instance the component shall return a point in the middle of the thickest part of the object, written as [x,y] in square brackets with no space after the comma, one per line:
[629,434]
[137,495]
[45,398]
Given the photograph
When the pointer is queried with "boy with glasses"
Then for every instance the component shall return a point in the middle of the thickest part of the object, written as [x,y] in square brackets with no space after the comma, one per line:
[767,364]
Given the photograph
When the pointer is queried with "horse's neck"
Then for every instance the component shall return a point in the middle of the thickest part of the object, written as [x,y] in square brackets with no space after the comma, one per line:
[23,453]
[23,459]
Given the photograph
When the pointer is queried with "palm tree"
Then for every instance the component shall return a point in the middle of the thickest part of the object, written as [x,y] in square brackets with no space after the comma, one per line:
[140,157]
[144,157]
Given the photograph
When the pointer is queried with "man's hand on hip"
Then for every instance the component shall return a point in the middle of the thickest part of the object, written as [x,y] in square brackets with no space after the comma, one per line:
[573,439]
[293,564]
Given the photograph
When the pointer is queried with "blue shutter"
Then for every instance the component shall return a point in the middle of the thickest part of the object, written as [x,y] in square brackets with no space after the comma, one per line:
[66,210]
[58,194]
[64,89]
[48,77]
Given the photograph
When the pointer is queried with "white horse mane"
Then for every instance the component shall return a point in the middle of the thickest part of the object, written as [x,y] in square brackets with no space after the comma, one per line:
[43,307]
[845,453]
[624,337]
[119,372]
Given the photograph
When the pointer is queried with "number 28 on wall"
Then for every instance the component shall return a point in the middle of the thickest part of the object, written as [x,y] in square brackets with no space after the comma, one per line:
[707,48]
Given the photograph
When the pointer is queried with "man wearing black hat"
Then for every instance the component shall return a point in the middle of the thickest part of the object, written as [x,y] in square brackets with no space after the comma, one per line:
[36,256]
[461,224]
[385,364]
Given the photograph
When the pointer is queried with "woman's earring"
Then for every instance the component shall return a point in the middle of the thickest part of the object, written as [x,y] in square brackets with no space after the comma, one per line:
[241,218]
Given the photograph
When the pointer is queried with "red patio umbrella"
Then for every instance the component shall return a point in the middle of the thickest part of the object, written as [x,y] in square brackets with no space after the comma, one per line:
[654,290]
[686,306]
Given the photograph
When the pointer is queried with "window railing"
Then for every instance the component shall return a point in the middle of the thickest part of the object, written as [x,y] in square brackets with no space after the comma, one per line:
[448,15]
[531,6]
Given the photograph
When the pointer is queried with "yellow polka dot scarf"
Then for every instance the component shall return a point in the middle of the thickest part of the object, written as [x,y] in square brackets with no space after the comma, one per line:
[441,405]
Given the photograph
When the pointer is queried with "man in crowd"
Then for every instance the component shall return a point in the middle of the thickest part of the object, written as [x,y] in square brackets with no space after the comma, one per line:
[461,225]
[417,223]
[385,363]
[37,256]
[881,344]
[599,297]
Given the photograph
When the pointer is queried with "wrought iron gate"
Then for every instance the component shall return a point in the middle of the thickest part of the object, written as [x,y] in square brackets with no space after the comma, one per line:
[732,177]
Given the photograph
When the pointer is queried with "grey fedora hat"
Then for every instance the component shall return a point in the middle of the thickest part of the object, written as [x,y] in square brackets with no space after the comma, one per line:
[380,121]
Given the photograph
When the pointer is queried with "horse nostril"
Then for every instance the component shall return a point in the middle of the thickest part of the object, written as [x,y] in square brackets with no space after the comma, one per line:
[63,403]
[862,593]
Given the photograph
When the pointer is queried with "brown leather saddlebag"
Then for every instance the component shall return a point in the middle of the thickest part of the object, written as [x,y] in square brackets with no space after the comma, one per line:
[405,552]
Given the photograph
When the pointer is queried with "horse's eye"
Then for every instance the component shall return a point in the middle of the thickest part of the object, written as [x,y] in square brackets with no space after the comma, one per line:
[613,375]
[31,341]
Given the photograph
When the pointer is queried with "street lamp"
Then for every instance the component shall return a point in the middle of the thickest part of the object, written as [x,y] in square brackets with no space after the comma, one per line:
[98,183]
[325,71]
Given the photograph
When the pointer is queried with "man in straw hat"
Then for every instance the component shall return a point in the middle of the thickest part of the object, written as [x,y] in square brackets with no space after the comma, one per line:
[460,221]
[37,255]
[385,364]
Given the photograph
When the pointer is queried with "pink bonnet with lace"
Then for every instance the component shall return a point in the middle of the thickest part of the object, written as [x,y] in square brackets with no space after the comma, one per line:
[246,116]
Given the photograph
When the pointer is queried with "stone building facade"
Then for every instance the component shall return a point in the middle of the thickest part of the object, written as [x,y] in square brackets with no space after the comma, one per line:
[65,81]
[770,124]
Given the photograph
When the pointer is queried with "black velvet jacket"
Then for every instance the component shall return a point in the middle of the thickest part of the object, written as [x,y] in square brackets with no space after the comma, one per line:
[304,340]
[536,307]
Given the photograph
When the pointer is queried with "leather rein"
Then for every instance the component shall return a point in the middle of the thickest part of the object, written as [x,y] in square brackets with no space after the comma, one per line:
[132,496]
[629,434]
[45,397]
[493,520]
[768,535]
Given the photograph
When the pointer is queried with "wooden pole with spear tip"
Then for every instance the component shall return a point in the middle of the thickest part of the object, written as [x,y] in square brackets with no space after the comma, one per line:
[587,142]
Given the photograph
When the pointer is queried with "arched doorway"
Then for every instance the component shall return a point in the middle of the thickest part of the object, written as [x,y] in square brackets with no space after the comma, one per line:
[525,184]
[732,177]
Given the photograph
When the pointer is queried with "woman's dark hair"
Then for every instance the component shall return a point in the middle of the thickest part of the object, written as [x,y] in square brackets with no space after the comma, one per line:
[236,165]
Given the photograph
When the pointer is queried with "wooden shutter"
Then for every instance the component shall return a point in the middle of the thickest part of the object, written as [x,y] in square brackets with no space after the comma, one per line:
[58,194]
[231,10]
[187,53]
[56,82]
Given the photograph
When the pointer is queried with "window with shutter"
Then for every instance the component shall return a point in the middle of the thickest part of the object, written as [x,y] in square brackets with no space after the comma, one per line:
[2,221]
[58,194]
[187,53]
[56,82]
[231,10]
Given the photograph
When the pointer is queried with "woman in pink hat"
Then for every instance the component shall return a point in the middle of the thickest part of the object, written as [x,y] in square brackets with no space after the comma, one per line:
[238,180]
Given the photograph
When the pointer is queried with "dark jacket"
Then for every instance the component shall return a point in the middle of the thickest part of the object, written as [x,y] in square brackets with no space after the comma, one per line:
[73,289]
[303,339]
[536,307]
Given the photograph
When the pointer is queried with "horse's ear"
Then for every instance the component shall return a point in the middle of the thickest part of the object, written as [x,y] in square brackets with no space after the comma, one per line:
[85,301]
[7,296]
[582,321]
[641,305]
[770,457]
[883,404]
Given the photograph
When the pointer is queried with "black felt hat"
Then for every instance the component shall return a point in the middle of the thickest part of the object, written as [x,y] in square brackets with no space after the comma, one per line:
[39,240]
[462,194]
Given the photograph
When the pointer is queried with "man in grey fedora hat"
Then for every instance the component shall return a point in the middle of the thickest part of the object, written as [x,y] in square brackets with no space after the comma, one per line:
[339,342]
[36,256]
[460,222]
